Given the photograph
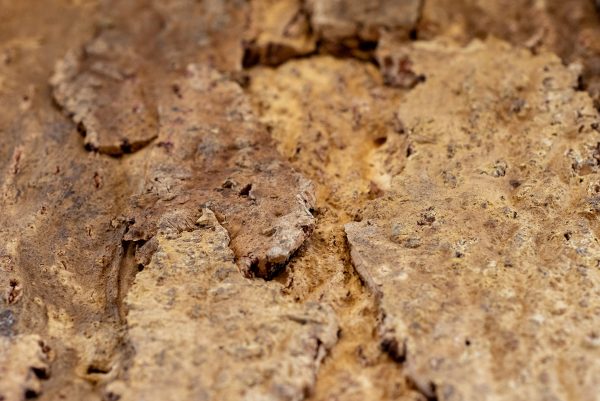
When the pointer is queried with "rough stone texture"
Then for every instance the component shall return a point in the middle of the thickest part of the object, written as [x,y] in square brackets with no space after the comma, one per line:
[59,254]
[108,258]
[484,255]
[227,337]
[24,361]
[336,123]
[211,151]
[65,266]
[108,86]
[569,28]
[341,18]
[347,26]
[279,30]
[210,148]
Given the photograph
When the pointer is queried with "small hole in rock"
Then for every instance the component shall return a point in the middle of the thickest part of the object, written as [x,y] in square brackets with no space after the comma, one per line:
[93,369]
[245,191]
[40,373]
[380,141]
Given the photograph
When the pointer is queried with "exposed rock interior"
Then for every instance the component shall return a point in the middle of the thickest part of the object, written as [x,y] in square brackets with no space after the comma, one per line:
[321,200]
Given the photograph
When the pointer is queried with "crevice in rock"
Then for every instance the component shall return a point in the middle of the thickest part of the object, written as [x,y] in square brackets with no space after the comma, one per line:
[128,268]
[353,45]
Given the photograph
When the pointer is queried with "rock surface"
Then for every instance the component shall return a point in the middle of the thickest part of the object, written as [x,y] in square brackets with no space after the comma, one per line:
[422,207]
[227,337]
[24,362]
[484,254]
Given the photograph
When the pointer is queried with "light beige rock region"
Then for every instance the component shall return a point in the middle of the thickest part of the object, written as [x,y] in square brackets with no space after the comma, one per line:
[201,331]
[484,254]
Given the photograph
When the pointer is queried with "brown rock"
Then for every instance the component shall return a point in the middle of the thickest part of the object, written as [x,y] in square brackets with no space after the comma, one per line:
[108,87]
[354,27]
[279,30]
[212,152]
[498,301]
[568,28]
[24,362]
[202,331]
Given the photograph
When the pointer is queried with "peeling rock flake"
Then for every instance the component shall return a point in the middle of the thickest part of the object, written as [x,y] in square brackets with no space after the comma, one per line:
[287,200]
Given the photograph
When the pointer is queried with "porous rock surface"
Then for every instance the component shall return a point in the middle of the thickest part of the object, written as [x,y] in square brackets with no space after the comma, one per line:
[227,337]
[289,200]
[484,253]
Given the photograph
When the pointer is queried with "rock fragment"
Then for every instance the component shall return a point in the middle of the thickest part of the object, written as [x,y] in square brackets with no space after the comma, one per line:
[24,362]
[107,87]
[212,152]
[495,303]
[219,335]
[354,27]
[279,30]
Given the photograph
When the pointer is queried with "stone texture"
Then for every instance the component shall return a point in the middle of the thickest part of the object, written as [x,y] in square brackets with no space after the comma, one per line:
[24,362]
[279,30]
[209,147]
[108,86]
[336,123]
[65,266]
[469,173]
[201,331]
[568,28]
[212,151]
[483,255]
[338,20]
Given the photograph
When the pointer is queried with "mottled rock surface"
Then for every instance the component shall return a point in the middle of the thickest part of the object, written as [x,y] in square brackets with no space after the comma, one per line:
[484,254]
[199,328]
[24,362]
[209,148]
[316,200]
[354,27]
[336,123]
[68,253]
[108,86]
[278,31]
[568,28]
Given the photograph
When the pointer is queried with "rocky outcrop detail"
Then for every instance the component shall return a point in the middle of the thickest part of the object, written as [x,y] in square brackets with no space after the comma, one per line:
[568,28]
[354,27]
[484,254]
[212,152]
[209,147]
[218,335]
[278,31]
[107,87]
[380,208]
[24,362]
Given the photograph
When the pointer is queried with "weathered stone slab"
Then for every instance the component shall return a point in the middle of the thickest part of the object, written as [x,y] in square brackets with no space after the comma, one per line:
[201,331]
[347,26]
[484,254]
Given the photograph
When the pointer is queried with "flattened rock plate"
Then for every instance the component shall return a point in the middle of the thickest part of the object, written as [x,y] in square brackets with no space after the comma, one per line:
[484,254]
[220,336]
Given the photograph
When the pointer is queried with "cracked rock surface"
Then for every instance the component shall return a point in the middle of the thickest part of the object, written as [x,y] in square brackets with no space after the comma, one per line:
[323,200]
[229,338]
[484,255]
